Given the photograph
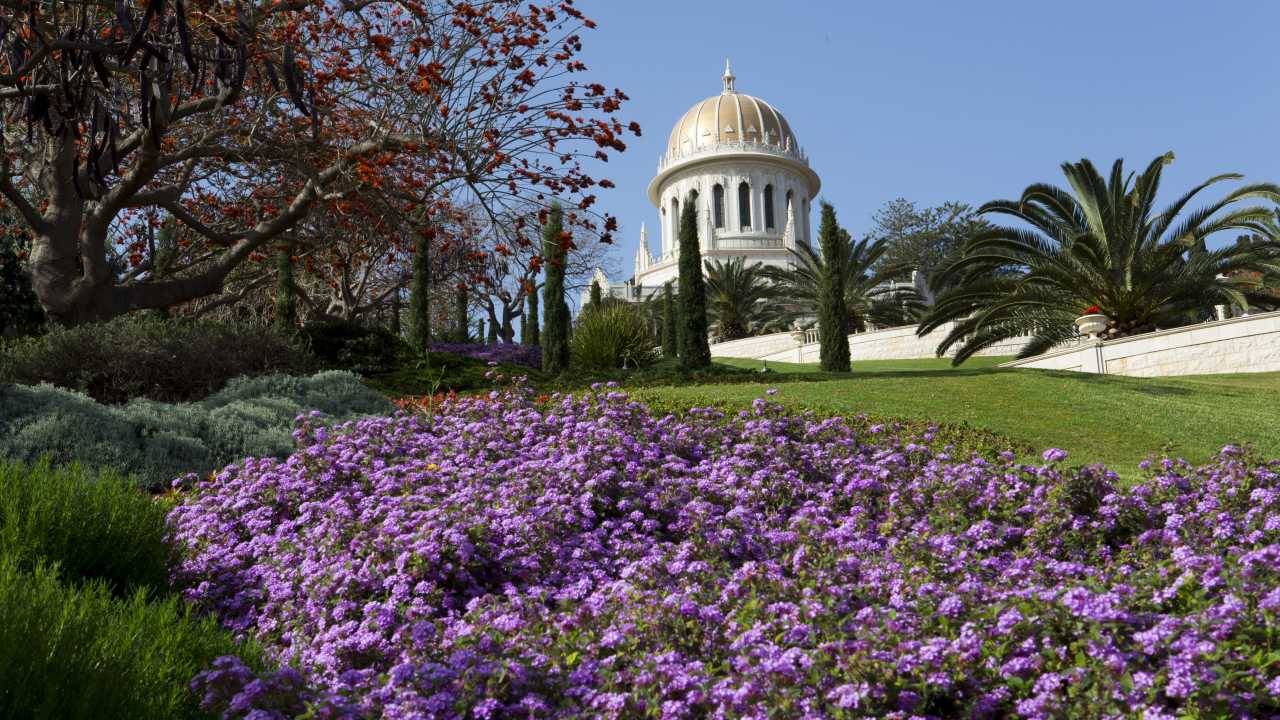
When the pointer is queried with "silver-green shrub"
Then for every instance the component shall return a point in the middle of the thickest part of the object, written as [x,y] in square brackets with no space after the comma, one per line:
[616,335]
[157,441]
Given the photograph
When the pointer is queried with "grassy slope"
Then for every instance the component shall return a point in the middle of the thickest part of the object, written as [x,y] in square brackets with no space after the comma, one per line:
[1116,420]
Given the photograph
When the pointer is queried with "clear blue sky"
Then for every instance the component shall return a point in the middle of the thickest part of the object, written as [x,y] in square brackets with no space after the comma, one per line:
[936,101]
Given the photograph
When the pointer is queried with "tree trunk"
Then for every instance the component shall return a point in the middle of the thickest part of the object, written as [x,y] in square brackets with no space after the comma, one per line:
[508,326]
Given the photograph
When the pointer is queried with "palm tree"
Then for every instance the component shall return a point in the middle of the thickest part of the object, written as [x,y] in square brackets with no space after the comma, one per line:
[869,296]
[739,298]
[1102,245]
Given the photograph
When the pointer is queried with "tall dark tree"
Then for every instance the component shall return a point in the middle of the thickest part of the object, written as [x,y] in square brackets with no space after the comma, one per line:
[668,322]
[596,295]
[555,335]
[395,311]
[833,320]
[491,337]
[695,352]
[420,294]
[1105,243]
[532,333]
[460,303]
[286,300]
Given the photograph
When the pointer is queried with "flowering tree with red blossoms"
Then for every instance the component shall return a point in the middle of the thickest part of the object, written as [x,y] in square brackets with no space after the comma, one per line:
[239,119]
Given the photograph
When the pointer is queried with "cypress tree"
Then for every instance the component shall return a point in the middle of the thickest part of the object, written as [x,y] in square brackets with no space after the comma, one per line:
[668,322]
[286,303]
[555,336]
[694,350]
[833,315]
[162,256]
[596,300]
[524,321]
[395,312]
[420,294]
[460,326]
[531,309]
[492,336]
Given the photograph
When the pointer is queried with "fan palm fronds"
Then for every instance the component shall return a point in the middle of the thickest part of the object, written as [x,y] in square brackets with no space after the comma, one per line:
[1104,243]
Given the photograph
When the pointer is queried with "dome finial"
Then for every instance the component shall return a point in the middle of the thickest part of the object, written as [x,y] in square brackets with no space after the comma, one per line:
[728,77]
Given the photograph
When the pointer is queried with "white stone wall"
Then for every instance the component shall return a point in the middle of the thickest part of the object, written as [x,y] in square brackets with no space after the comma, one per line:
[898,343]
[755,347]
[1237,345]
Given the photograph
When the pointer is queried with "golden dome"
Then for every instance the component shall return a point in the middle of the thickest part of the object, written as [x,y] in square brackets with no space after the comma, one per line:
[730,117]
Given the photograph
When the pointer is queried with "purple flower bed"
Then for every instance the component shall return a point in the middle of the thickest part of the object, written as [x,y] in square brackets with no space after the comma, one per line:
[503,559]
[504,353]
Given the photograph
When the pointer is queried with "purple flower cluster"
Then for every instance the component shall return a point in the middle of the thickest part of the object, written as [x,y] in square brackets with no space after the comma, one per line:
[502,353]
[503,558]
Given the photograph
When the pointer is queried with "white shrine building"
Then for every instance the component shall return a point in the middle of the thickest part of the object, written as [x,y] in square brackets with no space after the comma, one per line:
[737,157]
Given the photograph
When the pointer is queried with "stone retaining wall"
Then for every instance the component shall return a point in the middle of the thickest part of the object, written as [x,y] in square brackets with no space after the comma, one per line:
[898,343]
[1237,345]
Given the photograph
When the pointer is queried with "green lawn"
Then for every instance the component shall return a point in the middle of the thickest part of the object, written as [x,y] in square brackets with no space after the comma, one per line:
[1116,420]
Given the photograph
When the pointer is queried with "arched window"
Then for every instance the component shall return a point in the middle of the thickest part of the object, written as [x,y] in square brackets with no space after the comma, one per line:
[744,205]
[768,207]
[717,204]
[675,223]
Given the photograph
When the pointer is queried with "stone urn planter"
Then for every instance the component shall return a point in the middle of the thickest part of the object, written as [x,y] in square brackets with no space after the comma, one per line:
[1092,324]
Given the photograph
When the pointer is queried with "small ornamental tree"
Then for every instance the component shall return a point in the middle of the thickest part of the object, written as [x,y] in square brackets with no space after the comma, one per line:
[555,338]
[531,337]
[833,318]
[668,322]
[420,295]
[694,350]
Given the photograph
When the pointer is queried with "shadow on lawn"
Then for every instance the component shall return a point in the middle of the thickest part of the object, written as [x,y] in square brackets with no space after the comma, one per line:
[1145,386]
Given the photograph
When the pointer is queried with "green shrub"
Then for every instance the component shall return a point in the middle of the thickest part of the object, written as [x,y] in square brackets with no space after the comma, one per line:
[614,336]
[363,350]
[157,442]
[94,526]
[168,360]
[75,651]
